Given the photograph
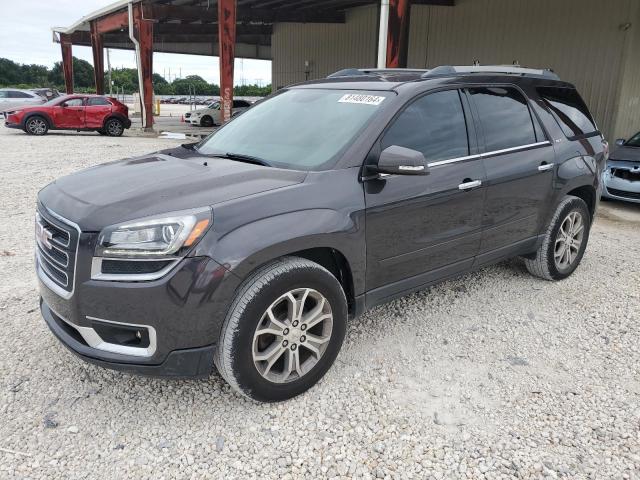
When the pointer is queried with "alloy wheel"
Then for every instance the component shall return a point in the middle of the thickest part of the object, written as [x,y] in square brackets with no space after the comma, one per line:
[569,240]
[37,126]
[292,335]
[114,128]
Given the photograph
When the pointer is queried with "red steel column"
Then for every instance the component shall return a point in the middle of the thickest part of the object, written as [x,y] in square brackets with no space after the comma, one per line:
[145,38]
[398,39]
[227,44]
[67,61]
[97,46]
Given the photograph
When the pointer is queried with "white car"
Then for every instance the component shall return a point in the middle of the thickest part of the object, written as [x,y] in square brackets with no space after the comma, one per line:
[10,98]
[211,115]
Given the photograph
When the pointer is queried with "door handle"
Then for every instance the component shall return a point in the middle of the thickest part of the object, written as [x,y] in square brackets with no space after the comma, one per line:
[469,185]
[545,166]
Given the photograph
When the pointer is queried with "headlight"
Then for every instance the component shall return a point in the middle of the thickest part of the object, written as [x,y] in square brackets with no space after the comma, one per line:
[154,237]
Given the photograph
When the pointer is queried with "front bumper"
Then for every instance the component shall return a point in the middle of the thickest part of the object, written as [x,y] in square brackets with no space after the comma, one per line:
[13,125]
[619,188]
[186,363]
[179,315]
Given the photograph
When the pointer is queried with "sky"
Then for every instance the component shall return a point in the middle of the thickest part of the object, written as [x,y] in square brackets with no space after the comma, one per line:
[26,37]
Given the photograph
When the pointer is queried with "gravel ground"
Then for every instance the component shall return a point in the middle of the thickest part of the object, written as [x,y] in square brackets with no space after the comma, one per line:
[494,375]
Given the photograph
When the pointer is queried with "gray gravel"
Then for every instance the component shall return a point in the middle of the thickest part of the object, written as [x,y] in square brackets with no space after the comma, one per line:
[494,375]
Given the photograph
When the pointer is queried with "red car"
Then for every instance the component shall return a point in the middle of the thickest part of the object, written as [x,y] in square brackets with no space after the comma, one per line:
[104,115]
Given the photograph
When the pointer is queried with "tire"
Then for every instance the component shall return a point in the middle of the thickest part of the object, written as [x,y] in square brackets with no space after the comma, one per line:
[241,345]
[206,121]
[549,262]
[101,131]
[36,125]
[114,127]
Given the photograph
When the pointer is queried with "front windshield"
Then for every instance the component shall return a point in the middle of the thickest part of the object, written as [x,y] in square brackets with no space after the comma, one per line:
[214,105]
[633,141]
[301,129]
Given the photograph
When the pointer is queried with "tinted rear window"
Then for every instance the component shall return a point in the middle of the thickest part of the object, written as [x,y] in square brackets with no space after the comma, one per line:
[97,101]
[16,94]
[505,117]
[569,110]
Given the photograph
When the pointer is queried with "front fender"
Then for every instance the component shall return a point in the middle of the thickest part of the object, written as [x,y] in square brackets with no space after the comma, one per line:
[251,245]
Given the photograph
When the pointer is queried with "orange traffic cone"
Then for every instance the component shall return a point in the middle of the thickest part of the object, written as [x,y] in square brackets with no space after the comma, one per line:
[181,118]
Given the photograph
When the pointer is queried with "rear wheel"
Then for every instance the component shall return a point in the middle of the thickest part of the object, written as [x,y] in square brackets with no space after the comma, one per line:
[114,127]
[564,242]
[283,330]
[36,125]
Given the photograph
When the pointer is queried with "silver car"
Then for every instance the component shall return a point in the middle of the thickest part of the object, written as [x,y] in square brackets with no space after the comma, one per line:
[11,98]
[622,176]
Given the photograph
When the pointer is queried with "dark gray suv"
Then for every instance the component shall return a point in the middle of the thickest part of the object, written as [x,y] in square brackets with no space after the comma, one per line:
[252,249]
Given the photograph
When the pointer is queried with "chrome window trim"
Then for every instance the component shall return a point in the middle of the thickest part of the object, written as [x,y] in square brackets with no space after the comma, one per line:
[489,154]
[515,149]
[96,270]
[39,268]
[453,160]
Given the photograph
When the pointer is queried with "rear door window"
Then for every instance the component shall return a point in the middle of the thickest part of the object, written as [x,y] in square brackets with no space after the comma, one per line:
[17,94]
[504,116]
[434,125]
[569,110]
[93,101]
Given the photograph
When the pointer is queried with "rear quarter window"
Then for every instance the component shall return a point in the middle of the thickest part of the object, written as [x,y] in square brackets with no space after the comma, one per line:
[569,110]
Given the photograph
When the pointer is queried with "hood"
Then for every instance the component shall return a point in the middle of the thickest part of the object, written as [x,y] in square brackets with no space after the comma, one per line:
[24,108]
[628,154]
[155,184]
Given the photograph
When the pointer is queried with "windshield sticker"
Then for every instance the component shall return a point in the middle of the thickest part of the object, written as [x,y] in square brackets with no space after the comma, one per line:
[361,99]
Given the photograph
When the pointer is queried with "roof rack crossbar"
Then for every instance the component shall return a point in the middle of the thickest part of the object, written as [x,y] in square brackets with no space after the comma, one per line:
[448,70]
[357,72]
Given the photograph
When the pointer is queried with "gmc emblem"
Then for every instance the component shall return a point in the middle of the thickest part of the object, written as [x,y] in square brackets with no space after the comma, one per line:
[44,236]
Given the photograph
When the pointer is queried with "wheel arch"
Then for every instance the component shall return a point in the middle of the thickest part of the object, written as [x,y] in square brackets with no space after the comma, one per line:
[44,115]
[588,194]
[117,115]
[334,261]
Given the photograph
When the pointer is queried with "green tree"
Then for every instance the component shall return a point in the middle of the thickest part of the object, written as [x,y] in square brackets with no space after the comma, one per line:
[82,74]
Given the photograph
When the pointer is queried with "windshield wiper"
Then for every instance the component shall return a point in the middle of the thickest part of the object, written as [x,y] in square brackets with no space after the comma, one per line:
[243,158]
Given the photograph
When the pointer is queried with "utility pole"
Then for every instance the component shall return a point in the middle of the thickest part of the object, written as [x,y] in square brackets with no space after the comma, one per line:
[109,74]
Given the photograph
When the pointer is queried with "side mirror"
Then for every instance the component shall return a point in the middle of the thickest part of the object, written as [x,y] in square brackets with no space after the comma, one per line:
[620,142]
[396,160]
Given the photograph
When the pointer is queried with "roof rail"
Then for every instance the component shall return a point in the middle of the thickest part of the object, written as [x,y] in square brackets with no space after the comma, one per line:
[449,70]
[356,72]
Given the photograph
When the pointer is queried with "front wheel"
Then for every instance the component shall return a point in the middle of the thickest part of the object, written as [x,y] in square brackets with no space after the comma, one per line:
[206,121]
[283,331]
[564,242]
[36,126]
[114,127]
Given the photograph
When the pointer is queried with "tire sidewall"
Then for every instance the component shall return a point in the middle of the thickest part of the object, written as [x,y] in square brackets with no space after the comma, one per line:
[31,119]
[578,205]
[247,376]
[114,120]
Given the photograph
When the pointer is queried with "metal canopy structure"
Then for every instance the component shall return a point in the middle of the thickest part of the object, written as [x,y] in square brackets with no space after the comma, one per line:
[224,28]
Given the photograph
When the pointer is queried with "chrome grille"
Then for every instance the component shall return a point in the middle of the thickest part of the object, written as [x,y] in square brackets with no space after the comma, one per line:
[56,246]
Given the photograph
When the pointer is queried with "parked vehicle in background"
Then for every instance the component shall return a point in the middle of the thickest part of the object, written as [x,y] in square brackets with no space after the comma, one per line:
[211,116]
[47,93]
[11,98]
[105,115]
[253,248]
[622,176]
